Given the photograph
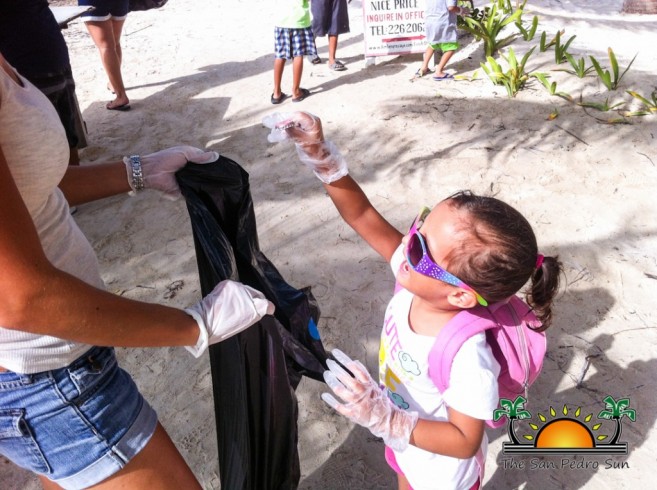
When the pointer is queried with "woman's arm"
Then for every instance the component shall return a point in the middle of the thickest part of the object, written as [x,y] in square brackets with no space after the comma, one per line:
[86,183]
[38,298]
[157,170]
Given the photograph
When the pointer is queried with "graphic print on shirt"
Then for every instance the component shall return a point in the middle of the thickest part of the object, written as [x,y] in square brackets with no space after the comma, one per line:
[391,354]
[408,364]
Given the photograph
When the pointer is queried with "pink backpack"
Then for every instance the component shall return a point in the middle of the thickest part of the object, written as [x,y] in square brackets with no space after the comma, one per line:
[509,331]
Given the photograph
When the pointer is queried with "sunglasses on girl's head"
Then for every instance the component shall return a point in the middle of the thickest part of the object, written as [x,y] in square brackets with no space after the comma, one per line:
[417,255]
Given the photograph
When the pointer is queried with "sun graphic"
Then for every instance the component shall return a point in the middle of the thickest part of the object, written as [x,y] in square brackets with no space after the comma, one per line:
[564,432]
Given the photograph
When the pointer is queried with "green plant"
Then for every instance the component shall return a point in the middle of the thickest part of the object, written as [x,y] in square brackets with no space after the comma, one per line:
[514,78]
[488,27]
[649,104]
[544,45]
[560,50]
[602,107]
[579,66]
[610,79]
[551,87]
[527,34]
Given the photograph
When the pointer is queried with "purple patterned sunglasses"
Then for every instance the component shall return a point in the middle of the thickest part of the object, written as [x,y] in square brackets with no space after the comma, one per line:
[418,258]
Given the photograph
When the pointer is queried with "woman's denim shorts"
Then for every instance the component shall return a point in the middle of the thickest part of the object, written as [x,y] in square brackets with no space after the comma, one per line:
[76,425]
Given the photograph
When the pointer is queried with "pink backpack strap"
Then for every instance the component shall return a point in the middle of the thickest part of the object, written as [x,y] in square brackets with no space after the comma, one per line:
[450,339]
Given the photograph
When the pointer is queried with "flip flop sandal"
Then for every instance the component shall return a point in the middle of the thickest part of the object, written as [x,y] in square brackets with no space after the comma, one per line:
[278,100]
[337,66]
[122,107]
[316,60]
[447,76]
[419,73]
[304,93]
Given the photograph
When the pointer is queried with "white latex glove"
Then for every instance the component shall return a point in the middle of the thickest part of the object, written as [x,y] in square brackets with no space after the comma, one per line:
[230,308]
[305,129]
[159,168]
[366,403]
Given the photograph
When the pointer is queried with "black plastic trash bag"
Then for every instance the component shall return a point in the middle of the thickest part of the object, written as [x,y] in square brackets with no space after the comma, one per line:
[255,373]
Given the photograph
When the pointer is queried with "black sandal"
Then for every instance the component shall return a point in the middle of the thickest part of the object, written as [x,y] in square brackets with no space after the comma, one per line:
[278,100]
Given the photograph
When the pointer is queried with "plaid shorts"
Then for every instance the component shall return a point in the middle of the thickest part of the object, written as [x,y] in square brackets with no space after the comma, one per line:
[290,42]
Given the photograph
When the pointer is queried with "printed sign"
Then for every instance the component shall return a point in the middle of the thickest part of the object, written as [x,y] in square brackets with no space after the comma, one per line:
[393,27]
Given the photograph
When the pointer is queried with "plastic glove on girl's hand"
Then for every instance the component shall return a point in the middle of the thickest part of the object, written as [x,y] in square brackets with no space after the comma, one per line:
[230,308]
[159,168]
[365,403]
[305,130]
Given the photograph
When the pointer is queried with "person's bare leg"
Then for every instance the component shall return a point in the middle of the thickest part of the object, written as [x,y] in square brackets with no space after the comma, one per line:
[444,59]
[104,38]
[428,54]
[279,65]
[117,27]
[332,48]
[159,466]
[297,71]
[47,484]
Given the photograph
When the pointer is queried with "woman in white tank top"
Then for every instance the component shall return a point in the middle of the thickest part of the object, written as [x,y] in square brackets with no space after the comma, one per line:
[46,335]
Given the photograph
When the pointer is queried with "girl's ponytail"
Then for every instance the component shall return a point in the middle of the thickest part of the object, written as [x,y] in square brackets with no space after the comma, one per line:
[543,288]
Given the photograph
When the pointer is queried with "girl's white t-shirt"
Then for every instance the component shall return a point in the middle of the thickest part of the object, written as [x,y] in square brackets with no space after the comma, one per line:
[404,373]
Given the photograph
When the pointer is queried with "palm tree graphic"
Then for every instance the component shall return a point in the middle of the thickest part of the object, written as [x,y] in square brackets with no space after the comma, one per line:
[616,410]
[512,410]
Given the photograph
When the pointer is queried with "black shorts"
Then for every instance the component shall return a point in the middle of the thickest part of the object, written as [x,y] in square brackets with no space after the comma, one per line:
[60,89]
[329,17]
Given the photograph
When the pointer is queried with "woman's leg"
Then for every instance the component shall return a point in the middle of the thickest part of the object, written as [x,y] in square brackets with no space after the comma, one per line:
[106,36]
[159,466]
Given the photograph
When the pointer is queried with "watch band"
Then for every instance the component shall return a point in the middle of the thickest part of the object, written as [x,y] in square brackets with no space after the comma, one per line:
[137,175]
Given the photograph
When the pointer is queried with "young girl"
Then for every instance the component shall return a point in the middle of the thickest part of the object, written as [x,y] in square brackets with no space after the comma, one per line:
[468,251]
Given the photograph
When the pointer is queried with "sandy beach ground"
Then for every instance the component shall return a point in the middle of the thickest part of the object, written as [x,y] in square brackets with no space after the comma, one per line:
[200,73]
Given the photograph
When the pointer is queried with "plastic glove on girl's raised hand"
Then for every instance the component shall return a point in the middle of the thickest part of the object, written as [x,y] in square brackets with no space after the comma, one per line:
[365,403]
[230,308]
[305,129]
[159,168]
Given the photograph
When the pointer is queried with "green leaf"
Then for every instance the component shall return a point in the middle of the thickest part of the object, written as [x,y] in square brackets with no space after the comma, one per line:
[610,402]
[507,404]
[631,414]
[614,63]
[645,101]
[498,414]
[604,414]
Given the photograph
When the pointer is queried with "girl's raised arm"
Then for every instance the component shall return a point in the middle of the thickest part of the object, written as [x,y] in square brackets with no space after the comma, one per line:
[331,168]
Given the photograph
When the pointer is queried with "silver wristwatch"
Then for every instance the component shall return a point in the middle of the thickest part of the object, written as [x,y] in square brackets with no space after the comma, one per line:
[137,175]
